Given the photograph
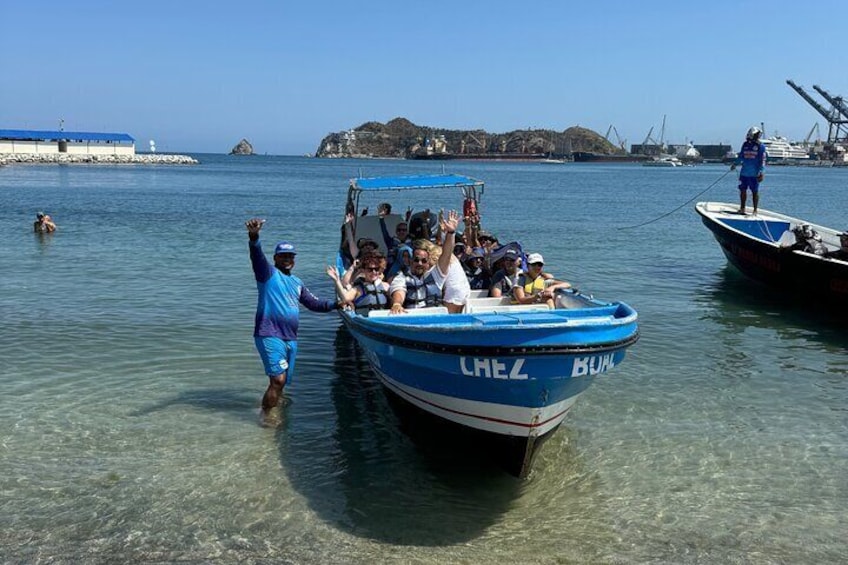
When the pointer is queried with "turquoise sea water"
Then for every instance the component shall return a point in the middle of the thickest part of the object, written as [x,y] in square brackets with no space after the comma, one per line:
[129,385]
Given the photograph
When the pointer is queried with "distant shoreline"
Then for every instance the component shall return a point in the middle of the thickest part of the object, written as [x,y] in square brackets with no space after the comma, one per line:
[88,159]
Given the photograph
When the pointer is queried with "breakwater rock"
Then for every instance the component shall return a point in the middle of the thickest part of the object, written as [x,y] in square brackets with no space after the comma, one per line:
[72,159]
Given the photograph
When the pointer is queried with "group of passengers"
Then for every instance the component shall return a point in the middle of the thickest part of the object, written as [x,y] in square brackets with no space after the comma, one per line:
[428,264]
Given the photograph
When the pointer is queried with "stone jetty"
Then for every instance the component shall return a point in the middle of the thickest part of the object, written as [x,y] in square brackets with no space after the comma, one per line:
[85,159]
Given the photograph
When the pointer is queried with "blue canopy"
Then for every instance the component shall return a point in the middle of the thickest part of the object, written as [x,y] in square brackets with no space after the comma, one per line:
[414,182]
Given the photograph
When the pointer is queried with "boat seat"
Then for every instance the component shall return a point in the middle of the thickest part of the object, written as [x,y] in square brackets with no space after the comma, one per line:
[510,308]
[430,311]
[489,301]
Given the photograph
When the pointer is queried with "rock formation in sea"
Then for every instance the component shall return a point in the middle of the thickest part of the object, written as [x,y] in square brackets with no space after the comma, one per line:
[400,138]
[243,147]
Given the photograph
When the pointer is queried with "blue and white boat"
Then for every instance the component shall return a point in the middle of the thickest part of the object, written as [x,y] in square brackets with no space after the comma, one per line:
[505,373]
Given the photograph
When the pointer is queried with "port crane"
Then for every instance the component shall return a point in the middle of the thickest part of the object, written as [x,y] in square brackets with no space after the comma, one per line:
[836,116]
[622,143]
[814,129]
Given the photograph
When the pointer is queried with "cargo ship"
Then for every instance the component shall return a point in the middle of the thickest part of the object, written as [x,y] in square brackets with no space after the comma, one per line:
[588,156]
[480,156]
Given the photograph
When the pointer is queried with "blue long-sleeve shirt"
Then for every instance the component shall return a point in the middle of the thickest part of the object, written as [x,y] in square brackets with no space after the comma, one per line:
[752,157]
[277,312]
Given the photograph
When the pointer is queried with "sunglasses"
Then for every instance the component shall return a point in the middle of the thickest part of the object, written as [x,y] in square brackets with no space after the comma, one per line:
[372,269]
[401,229]
[540,265]
[420,260]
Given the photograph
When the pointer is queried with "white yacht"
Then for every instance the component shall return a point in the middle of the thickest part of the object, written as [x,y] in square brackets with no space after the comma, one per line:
[663,161]
[779,149]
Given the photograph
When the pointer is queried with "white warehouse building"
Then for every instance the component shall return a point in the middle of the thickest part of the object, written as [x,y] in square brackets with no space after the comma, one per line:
[22,141]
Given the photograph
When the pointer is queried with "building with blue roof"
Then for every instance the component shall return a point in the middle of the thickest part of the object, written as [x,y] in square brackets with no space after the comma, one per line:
[19,141]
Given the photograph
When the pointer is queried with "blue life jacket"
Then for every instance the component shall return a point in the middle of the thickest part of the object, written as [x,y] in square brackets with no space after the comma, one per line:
[372,297]
[421,292]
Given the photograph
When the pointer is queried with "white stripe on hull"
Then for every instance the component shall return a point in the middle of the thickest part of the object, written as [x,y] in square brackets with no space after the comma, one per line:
[485,416]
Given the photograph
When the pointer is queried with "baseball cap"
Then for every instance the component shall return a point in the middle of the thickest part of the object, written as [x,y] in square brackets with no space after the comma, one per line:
[475,253]
[511,254]
[285,247]
[39,215]
[535,258]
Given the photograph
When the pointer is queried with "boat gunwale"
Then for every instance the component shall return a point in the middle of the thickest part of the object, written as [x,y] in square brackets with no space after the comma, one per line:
[761,216]
[358,324]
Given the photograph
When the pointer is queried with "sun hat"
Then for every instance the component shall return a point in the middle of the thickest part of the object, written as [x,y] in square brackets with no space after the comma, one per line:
[535,258]
[285,247]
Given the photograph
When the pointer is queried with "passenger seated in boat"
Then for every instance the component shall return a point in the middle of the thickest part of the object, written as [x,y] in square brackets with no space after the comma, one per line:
[424,283]
[459,250]
[393,245]
[476,273]
[368,291]
[505,279]
[535,286]
[422,225]
[842,252]
[401,264]
[487,240]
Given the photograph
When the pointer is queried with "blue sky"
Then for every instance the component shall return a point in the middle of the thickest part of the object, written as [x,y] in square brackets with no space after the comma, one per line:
[199,76]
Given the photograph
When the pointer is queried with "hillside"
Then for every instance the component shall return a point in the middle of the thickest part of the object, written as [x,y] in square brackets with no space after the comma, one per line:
[400,138]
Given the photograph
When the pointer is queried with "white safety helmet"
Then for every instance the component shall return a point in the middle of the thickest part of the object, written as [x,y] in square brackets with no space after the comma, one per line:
[753,132]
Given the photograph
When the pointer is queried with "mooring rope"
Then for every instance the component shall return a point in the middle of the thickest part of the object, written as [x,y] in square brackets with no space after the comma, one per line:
[679,207]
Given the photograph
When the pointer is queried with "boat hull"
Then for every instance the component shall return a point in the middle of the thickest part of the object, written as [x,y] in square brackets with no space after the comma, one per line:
[513,454]
[587,157]
[508,384]
[751,245]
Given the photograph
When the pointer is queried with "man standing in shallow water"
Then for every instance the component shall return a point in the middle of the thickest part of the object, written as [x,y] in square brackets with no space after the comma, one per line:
[278,312]
[43,223]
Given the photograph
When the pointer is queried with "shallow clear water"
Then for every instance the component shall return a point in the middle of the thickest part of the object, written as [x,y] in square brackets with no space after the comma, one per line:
[129,384]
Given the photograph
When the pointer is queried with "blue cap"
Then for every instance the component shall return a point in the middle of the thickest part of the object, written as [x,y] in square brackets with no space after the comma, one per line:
[285,247]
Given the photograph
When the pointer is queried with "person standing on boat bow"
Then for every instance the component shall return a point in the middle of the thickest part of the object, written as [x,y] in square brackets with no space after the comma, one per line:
[278,312]
[752,157]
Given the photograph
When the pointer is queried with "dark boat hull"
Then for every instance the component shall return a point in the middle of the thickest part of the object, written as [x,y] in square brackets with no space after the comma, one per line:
[480,156]
[750,245]
[589,157]
[514,454]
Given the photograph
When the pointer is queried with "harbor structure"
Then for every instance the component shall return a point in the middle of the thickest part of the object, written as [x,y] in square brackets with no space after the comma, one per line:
[837,119]
[54,142]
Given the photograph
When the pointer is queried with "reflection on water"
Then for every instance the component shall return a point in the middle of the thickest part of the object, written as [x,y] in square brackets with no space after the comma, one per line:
[734,301]
[44,240]
[375,482]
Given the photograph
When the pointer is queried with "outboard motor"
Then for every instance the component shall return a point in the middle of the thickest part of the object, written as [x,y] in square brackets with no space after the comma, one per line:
[808,240]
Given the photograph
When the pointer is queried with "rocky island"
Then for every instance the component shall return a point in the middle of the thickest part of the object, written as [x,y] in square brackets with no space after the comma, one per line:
[401,139]
[243,147]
